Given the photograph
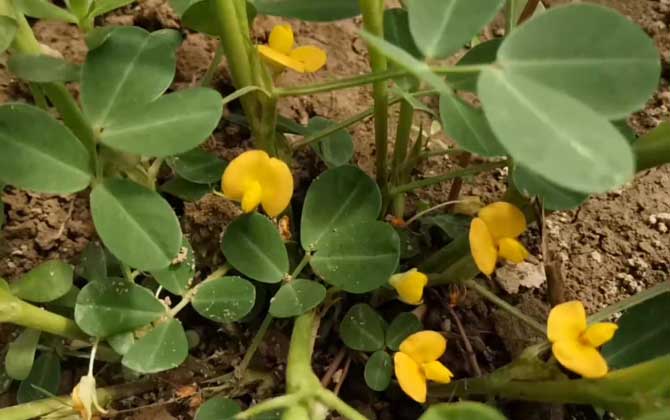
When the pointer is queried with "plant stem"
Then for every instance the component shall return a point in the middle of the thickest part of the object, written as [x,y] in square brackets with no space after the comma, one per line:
[255,343]
[38,96]
[16,311]
[334,402]
[301,265]
[630,301]
[213,66]
[403,131]
[472,170]
[490,296]
[268,123]
[366,79]
[275,403]
[373,22]
[188,296]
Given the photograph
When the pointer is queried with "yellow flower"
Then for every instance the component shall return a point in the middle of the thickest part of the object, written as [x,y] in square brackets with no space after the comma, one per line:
[574,344]
[255,178]
[280,51]
[409,286]
[494,233]
[416,363]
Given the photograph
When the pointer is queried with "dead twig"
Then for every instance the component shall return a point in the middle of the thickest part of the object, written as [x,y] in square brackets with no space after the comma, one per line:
[469,351]
[343,376]
[332,368]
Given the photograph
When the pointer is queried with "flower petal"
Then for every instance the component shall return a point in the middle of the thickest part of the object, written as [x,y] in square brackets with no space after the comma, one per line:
[579,358]
[409,286]
[277,185]
[567,321]
[312,57]
[482,247]
[424,346]
[598,334]
[410,377]
[241,171]
[281,39]
[512,250]
[437,372]
[504,220]
[252,197]
[275,57]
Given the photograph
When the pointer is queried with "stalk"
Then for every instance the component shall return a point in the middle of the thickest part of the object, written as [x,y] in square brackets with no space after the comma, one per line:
[401,147]
[472,170]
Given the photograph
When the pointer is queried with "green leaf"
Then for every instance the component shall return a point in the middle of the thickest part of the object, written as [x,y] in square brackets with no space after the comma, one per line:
[378,371]
[461,411]
[178,276]
[442,27]
[44,377]
[197,15]
[574,137]
[296,298]
[44,283]
[564,48]
[337,198]
[662,414]
[625,130]
[56,164]
[553,196]
[396,31]
[92,263]
[402,326]
[227,299]
[653,148]
[451,225]
[638,338]
[468,127]
[7,32]
[121,342]
[43,68]
[180,6]
[131,68]
[136,224]
[44,9]
[185,190]
[362,328]
[484,53]
[336,149]
[173,124]
[405,61]
[114,306]
[165,347]
[106,6]
[252,245]
[358,258]
[310,10]
[21,354]
[218,408]
[198,166]
[98,35]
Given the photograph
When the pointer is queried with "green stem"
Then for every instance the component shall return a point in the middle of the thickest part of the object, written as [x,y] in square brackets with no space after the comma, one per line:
[472,170]
[373,22]
[276,403]
[653,148]
[331,400]
[213,66]
[253,347]
[188,296]
[403,131]
[490,296]
[301,265]
[38,96]
[268,123]
[366,79]
[18,312]
[299,374]
[630,301]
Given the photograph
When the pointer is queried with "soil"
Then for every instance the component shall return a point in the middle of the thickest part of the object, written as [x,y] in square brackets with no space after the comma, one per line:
[613,246]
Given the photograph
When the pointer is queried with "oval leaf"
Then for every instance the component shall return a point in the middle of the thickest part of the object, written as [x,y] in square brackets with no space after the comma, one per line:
[564,48]
[136,224]
[468,127]
[554,135]
[185,190]
[44,283]
[21,354]
[92,264]
[7,32]
[114,306]
[131,68]
[172,124]
[402,326]
[122,342]
[178,276]
[311,10]
[553,196]
[362,328]
[39,153]
[335,149]
[442,27]
[218,408]
[358,258]
[396,31]
[461,411]
[227,299]
[44,9]
[165,347]
[337,198]
[43,380]
[639,340]
[378,371]
[252,245]
[296,298]
[484,53]
[43,68]
[198,166]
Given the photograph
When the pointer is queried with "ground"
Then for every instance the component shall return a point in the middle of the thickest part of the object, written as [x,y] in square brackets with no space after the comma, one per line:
[612,246]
